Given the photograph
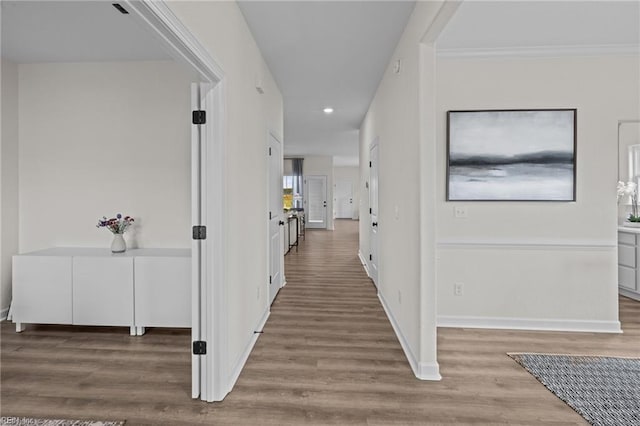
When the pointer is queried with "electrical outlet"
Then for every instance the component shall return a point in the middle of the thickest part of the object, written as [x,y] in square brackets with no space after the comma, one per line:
[458,289]
[460,212]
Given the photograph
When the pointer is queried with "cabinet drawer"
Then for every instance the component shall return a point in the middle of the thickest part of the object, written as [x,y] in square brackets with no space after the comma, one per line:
[627,277]
[627,256]
[626,238]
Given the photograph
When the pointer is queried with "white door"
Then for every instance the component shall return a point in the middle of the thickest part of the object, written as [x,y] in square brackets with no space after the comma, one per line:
[316,201]
[343,199]
[373,205]
[276,218]
[198,247]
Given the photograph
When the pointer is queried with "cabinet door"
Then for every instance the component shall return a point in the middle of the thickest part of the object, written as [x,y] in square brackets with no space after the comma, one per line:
[162,291]
[103,291]
[42,289]
[627,277]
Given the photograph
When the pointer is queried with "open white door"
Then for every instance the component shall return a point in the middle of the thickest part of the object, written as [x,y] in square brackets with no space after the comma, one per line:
[316,201]
[373,204]
[276,218]
[197,245]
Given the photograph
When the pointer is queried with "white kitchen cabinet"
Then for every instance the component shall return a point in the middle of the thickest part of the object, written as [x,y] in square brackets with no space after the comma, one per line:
[44,295]
[89,286]
[103,291]
[163,290]
[628,262]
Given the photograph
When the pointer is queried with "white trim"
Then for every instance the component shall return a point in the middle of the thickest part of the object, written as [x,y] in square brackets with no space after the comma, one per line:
[540,51]
[429,371]
[242,360]
[423,371]
[3,314]
[364,263]
[440,21]
[565,325]
[525,244]
[183,46]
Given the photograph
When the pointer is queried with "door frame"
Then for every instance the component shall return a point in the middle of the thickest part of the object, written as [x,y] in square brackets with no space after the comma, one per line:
[157,17]
[273,134]
[374,273]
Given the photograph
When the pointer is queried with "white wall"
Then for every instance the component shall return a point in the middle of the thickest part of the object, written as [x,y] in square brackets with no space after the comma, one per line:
[222,30]
[351,175]
[543,263]
[8,180]
[101,139]
[318,165]
[394,117]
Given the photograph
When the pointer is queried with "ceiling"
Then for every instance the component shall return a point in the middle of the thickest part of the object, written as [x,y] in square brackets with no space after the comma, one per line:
[514,25]
[74,31]
[326,53]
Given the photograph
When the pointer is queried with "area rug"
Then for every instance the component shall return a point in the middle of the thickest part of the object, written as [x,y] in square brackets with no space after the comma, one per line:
[29,421]
[603,390]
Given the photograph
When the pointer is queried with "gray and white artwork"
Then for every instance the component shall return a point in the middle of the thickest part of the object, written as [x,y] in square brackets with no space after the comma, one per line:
[511,155]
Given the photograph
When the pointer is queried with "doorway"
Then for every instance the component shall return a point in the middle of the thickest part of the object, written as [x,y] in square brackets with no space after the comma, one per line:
[343,199]
[316,202]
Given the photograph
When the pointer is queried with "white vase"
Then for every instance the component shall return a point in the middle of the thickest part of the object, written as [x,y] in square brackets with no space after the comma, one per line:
[118,245]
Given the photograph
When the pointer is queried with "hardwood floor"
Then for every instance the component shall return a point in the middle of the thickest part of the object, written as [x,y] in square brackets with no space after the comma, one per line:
[328,355]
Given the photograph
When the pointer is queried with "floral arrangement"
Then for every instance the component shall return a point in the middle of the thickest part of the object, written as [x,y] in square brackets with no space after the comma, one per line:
[630,189]
[117,225]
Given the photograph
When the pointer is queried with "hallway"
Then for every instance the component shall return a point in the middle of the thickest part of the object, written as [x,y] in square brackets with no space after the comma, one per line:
[328,355]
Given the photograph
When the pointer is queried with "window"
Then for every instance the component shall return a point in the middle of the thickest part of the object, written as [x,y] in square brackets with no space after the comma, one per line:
[292,192]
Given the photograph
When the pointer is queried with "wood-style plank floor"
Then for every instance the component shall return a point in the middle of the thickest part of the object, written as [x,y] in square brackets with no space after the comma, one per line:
[328,355]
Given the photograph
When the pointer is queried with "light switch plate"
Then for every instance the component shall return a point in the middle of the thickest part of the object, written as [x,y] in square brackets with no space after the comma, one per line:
[460,212]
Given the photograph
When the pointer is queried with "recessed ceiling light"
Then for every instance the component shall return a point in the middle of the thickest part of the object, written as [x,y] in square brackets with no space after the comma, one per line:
[328,110]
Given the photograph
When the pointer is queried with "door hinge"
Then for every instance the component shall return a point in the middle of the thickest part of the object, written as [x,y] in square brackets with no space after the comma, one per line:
[370,210]
[370,257]
[269,215]
[270,278]
[369,163]
[269,150]
[199,232]
[199,347]
[199,117]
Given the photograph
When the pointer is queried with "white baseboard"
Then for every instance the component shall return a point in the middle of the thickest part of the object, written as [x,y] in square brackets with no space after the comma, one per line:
[364,264]
[529,324]
[3,313]
[235,372]
[422,370]
[429,371]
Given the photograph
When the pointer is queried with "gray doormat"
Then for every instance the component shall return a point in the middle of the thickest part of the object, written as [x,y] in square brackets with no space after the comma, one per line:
[29,421]
[603,390]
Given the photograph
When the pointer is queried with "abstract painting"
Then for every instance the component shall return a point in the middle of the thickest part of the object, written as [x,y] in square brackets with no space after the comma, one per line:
[511,155]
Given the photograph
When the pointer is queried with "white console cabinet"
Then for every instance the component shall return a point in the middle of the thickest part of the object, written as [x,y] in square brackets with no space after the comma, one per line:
[88,286]
[629,262]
